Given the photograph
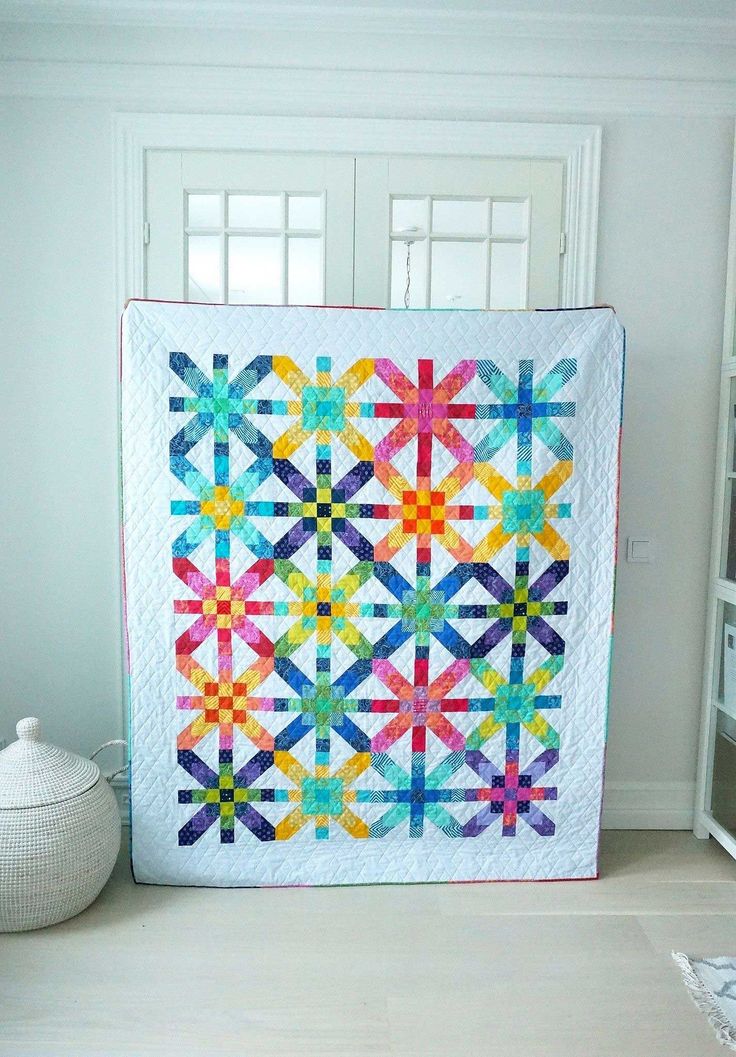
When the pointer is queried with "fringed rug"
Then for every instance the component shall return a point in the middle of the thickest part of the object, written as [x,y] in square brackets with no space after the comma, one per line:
[712,986]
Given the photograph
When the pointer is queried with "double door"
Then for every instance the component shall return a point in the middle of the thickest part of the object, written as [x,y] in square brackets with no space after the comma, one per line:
[240,227]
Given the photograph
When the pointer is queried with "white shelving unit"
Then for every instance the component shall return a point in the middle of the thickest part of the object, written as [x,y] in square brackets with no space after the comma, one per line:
[715,807]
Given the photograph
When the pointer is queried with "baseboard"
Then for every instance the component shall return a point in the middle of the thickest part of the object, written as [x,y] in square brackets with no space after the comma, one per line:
[648,805]
[122,795]
[626,805]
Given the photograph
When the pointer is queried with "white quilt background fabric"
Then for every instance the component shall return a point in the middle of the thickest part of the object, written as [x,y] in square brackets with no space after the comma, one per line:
[425,785]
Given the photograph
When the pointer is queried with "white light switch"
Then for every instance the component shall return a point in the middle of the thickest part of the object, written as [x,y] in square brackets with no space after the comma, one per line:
[639,549]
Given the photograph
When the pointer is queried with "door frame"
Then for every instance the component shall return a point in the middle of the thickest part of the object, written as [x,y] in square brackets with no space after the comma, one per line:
[577,146]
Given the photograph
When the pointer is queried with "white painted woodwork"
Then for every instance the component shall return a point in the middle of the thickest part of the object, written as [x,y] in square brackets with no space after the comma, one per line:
[379,180]
[172,175]
[491,259]
[139,139]
[435,59]
[722,590]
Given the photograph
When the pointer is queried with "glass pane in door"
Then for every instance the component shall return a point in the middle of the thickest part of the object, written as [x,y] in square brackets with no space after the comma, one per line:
[723,791]
[204,267]
[304,263]
[728,569]
[416,274]
[254,270]
[254,211]
[204,211]
[460,216]
[409,214]
[725,666]
[508,275]
[510,219]
[458,275]
[305,212]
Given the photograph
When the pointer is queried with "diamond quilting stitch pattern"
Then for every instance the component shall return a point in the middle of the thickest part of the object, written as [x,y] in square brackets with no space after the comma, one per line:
[322,607]
[370,640]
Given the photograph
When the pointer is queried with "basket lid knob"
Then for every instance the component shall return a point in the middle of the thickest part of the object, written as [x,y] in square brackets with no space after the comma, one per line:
[36,774]
[28,729]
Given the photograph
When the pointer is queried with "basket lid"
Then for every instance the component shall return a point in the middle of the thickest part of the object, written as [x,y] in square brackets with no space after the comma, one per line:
[34,773]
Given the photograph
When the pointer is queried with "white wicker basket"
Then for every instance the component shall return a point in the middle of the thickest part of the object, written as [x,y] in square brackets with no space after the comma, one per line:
[59,832]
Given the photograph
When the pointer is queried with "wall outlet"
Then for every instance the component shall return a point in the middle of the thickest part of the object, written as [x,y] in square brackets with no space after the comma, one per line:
[640,550]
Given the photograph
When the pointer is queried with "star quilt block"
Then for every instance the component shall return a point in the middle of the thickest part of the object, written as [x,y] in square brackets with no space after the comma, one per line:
[369,564]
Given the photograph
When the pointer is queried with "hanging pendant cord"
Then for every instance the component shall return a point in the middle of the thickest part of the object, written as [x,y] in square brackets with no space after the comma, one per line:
[408,274]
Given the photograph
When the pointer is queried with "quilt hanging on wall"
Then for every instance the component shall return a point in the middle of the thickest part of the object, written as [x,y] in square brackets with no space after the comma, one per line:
[369,562]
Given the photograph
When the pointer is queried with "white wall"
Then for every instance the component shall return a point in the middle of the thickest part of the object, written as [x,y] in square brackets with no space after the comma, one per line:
[663,227]
[59,647]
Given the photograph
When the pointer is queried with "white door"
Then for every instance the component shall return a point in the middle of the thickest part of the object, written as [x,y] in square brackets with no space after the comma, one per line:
[236,227]
[481,232]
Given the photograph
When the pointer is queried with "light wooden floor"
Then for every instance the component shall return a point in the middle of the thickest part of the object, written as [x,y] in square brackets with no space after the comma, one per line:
[570,969]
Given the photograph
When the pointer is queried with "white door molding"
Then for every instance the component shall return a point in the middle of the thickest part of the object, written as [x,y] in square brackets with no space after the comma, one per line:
[578,146]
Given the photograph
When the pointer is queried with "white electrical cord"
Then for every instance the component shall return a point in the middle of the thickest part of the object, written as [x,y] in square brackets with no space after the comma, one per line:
[415,235]
[408,275]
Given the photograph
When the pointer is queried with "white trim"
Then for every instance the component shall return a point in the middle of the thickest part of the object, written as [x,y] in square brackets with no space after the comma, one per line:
[724,590]
[706,825]
[648,805]
[729,317]
[718,589]
[452,20]
[389,93]
[579,146]
[128,163]
[122,795]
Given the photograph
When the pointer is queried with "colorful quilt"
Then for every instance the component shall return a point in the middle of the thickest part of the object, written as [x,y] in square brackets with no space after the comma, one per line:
[369,565]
